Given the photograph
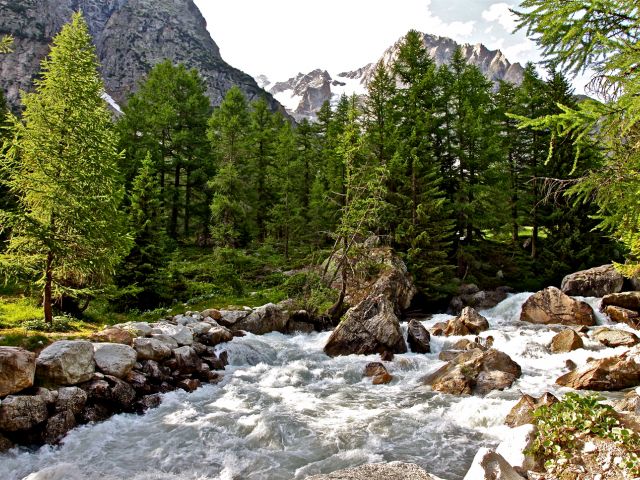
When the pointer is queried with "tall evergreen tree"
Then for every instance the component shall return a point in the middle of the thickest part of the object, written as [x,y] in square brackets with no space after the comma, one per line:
[62,167]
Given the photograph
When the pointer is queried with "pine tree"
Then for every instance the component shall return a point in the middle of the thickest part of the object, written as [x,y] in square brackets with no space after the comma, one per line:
[62,167]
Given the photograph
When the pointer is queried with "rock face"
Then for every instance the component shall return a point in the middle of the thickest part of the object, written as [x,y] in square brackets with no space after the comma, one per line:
[551,306]
[610,337]
[566,341]
[17,370]
[369,327]
[114,359]
[475,372]
[379,471]
[469,322]
[418,337]
[606,374]
[522,412]
[130,37]
[595,282]
[67,362]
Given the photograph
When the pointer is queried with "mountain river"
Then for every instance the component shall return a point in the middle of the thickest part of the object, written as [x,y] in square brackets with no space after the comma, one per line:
[287,411]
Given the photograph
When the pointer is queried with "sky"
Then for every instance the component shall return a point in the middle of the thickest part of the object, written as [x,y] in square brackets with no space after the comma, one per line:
[279,38]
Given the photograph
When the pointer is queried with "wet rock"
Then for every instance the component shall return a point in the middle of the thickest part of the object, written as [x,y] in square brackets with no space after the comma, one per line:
[188,384]
[151,349]
[216,336]
[113,335]
[229,318]
[71,399]
[66,362]
[378,372]
[479,300]
[152,370]
[469,322]
[418,337]
[437,329]
[138,381]
[95,413]
[566,341]
[475,371]
[17,370]
[522,412]
[114,393]
[551,306]
[114,359]
[5,444]
[379,471]
[623,315]
[187,359]
[265,319]
[448,355]
[595,282]
[607,374]
[489,465]
[147,402]
[22,412]
[611,337]
[369,327]
[627,300]
[386,356]
[58,426]
[179,333]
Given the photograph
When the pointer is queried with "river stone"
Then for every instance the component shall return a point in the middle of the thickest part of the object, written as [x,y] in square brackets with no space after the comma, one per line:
[522,412]
[66,362]
[611,337]
[151,349]
[113,335]
[72,399]
[212,313]
[551,306]
[137,329]
[595,282]
[215,336]
[623,315]
[379,471]
[17,370]
[114,359]
[58,426]
[200,327]
[628,300]
[166,340]
[187,359]
[265,319]
[22,412]
[469,322]
[5,444]
[606,374]
[180,334]
[418,337]
[369,327]
[566,341]
[489,465]
[229,318]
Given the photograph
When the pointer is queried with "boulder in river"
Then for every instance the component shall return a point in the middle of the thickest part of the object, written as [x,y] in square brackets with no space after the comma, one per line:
[594,282]
[489,465]
[66,362]
[606,374]
[265,319]
[566,341]
[469,322]
[114,358]
[378,372]
[22,412]
[470,295]
[522,412]
[623,315]
[628,300]
[418,337]
[613,337]
[379,471]
[369,327]
[551,306]
[475,372]
[17,370]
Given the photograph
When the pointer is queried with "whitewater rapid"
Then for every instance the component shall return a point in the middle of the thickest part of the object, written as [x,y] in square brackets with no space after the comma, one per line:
[287,411]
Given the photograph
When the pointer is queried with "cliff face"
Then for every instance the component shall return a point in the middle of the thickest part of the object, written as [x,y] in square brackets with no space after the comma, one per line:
[130,36]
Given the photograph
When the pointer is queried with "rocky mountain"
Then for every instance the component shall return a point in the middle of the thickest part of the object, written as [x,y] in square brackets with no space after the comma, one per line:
[130,35]
[303,95]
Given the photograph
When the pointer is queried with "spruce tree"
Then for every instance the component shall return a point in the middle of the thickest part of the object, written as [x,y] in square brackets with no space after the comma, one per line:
[69,231]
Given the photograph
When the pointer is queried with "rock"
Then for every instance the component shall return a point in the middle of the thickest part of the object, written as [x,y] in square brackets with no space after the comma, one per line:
[151,349]
[395,284]
[595,282]
[66,362]
[113,335]
[515,446]
[71,399]
[229,318]
[418,337]
[211,313]
[265,319]
[369,327]
[566,341]
[627,300]
[382,379]
[147,402]
[138,381]
[386,356]
[475,371]
[611,337]
[629,403]
[437,329]
[17,370]
[606,374]
[200,328]
[522,412]
[623,315]
[479,300]
[5,444]
[216,336]
[551,306]
[58,426]
[112,392]
[137,329]
[114,359]
[166,340]
[469,322]
[153,371]
[179,333]
[378,372]
[489,465]
[188,384]
[187,359]
[379,471]
[22,412]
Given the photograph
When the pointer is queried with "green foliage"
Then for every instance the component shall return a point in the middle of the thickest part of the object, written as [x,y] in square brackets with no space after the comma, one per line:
[6,44]
[564,425]
[62,323]
[309,292]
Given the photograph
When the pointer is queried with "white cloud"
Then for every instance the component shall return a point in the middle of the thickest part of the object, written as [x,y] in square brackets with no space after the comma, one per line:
[500,13]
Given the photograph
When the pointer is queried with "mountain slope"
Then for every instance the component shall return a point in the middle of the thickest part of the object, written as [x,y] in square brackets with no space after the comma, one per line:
[130,36]
[303,95]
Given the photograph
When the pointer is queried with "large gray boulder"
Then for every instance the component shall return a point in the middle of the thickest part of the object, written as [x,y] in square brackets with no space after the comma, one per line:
[595,282]
[151,349]
[179,333]
[265,319]
[369,327]
[114,358]
[66,362]
[551,306]
[379,471]
[17,370]
[22,412]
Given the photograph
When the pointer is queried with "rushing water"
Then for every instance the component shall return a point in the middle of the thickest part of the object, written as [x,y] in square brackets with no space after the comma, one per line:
[286,411]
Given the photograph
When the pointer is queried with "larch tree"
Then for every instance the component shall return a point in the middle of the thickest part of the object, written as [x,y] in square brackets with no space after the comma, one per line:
[62,166]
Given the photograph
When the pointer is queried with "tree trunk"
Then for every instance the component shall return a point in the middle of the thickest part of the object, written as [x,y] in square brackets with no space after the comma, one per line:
[46,297]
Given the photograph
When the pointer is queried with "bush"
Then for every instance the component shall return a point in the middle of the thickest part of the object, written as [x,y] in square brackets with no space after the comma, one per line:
[62,323]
